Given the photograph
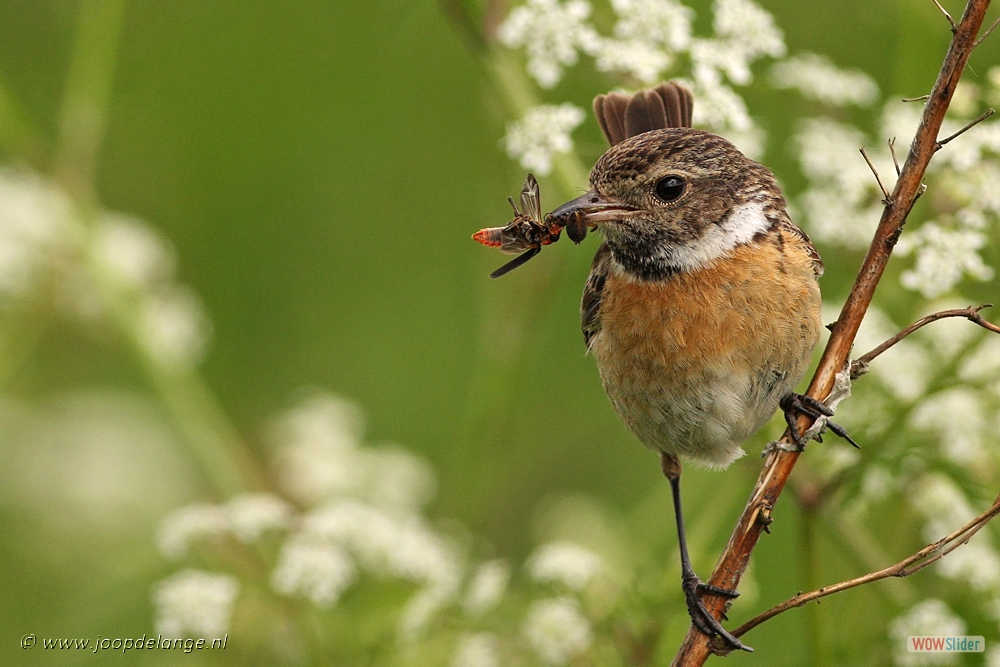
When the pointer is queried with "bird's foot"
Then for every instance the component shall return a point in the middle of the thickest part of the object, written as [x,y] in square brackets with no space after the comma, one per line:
[701,617]
[795,404]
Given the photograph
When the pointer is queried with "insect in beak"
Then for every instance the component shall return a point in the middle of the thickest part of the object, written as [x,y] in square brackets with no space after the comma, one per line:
[586,212]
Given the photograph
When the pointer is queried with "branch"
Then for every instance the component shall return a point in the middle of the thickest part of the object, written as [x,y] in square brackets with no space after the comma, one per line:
[779,463]
[860,365]
[904,568]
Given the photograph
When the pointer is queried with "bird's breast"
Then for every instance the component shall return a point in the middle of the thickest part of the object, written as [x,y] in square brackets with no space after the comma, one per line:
[696,363]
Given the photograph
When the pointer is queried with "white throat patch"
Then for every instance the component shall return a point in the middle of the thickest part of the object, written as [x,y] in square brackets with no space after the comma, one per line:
[744,223]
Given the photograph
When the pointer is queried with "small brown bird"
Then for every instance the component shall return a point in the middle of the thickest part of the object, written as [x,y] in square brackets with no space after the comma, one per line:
[702,307]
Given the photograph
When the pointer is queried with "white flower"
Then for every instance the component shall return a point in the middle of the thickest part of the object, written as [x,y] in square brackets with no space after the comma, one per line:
[486,587]
[189,524]
[958,418]
[132,251]
[35,222]
[394,478]
[993,657]
[420,609]
[718,106]
[983,363]
[974,562]
[819,79]
[557,630]
[381,542]
[747,25]
[316,570]
[194,603]
[476,650]
[317,446]
[647,35]
[904,369]
[551,33]
[542,132]
[642,60]
[253,513]
[930,617]
[944,256]
[665,23]
[173,328]
[942,503]
[565,563]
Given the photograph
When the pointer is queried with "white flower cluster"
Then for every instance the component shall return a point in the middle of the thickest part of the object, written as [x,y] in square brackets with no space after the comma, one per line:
[195,603]
[647,38]
[43,241]
[36,231]
[245,517]
[564,563]
[543,132]
[843,203]
[557,630]
[816,78]
[477,649]
[930,617]
[319,457]
[364,519]
[551,33]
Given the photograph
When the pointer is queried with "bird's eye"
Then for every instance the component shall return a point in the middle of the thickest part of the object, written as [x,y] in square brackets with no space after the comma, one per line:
[670,188]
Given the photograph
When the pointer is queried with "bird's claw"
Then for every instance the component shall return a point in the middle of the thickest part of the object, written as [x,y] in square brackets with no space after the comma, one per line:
[795,404]
[702,618]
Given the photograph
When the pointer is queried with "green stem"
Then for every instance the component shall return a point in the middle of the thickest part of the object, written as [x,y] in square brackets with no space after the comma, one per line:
[18,134]
[809,557]
[84,113]
[224,460]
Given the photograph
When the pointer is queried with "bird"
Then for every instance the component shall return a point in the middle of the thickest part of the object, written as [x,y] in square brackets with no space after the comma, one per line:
[702,307]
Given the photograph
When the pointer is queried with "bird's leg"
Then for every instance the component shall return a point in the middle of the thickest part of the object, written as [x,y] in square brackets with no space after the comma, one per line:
[693,586]
[795,404]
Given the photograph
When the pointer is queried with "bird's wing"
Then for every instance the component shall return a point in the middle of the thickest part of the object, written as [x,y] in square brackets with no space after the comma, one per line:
[622,116]
[590,306]
[793,229]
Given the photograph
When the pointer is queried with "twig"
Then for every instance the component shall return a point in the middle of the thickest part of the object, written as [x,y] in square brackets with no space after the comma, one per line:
[971,313]
[892,151]
[921,98]
[986,34]
[947,16]
[886,199]
[986,114]
[779,464]
[904,568]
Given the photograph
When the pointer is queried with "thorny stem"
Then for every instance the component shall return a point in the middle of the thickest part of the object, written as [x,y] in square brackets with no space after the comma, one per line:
[696,647]
[918,561]
[860,364]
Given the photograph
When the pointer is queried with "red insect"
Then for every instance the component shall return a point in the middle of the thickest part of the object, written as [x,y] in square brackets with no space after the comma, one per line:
[528,232]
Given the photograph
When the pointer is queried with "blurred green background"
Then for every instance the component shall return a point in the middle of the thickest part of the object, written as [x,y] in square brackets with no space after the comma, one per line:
[319,168]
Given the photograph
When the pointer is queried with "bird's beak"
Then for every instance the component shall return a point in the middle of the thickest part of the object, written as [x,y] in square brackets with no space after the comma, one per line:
[590,208]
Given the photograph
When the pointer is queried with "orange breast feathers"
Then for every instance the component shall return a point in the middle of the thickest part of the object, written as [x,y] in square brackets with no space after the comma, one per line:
[696,363]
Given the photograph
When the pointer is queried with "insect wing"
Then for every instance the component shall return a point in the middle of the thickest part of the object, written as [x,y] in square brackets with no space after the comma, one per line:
[531,200]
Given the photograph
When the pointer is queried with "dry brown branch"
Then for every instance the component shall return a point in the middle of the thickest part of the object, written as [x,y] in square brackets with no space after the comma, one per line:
[778,465]
[986,114]
[971,313]
[947,16]
[904,568]
[986,34]
[895,160]
[886,197]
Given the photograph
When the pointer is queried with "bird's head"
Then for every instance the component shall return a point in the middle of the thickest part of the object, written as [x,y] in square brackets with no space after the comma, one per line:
[675,199]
